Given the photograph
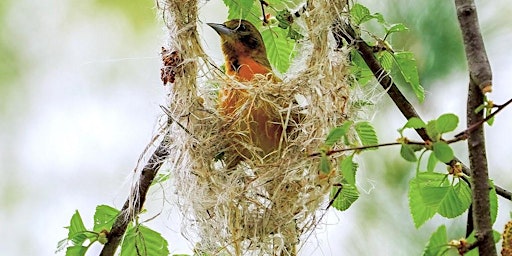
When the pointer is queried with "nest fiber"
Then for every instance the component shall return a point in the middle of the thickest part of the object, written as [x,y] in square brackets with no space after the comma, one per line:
[236,198]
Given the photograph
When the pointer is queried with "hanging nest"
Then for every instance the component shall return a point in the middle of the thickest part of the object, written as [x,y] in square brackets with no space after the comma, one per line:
[238,198]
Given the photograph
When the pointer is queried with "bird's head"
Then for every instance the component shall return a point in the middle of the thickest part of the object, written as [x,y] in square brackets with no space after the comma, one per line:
[240,37]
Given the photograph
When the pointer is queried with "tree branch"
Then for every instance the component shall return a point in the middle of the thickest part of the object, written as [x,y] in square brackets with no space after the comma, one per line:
[344,31]
[480,80]
[135,201]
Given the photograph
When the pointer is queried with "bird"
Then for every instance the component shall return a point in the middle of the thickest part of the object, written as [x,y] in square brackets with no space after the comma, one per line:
[245,56]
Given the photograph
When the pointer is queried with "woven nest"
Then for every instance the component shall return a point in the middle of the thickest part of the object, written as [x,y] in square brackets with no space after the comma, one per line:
[237,199]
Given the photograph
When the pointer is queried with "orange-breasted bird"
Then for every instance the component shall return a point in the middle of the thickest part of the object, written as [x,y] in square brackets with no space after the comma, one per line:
[245,56]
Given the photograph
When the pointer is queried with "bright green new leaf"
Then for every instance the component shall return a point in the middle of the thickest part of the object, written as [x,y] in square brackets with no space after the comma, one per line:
[140,240]
[443,151]
[346,197]
[432,161]
[406,64]
[360,14]
[280,50]
[386,60]
[426,192]
[359,69]
[437,243]
[104,217]
[407,153]
[337,133]
[241,9]
[415,123]
[432,131]
[348,170]
[77,229]
[447,123]
[456,201]
[366,134]
[76,250]
[398,27]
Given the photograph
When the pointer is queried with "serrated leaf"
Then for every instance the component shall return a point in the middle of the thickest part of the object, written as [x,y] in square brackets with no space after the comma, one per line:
[456,201]
[240,9]
[360,14]
[406,64]
[346,197]
[447,123]
[442,151]
[359,69]
[337,133]
[407,153]
[348,170]
[141,240]
[432,162]
[280,50]
[366,134]
[432,131]
[415,123]
[425,194]
[76,250]
[386,60]
[77,229]
[437,243]
[104,217]
[398,27]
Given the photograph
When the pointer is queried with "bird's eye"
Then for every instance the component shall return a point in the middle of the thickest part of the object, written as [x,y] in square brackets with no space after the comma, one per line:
[242,27]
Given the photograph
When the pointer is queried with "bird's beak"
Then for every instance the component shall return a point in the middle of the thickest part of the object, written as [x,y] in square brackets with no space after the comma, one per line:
[221,29]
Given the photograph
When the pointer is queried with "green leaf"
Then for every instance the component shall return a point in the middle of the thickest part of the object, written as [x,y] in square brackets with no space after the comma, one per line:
[348,170]
[325,164]
[337,133]
[386,60]
[366,134]
[447,123]
[406,64]
[360,14]
[240,9]
[104,217]
[398,27]
[493,198]
[407,153]
[359,69]
[76,250]
[443,151]
[437,243]
[415,123]
[77,229]
[432,162]
[426,192]
[140,240]
[346,197]
[280,50]
[162,177]
[432,131]
[456,201]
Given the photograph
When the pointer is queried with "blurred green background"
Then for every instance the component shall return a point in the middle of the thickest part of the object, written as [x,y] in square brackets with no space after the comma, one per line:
[79,100]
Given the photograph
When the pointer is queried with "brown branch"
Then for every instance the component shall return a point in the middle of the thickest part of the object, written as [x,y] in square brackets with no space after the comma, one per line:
[480,82]
[465,134]
[135,201]
[343,30]
[334,151]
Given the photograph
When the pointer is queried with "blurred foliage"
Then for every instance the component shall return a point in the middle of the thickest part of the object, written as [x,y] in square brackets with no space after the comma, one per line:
[141,13]
[10,66]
